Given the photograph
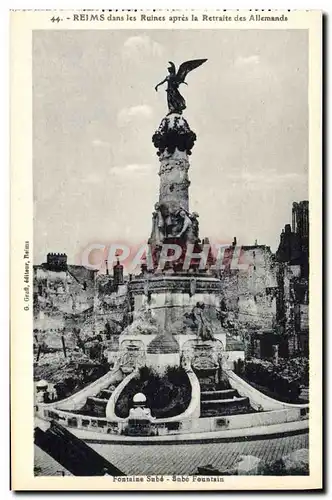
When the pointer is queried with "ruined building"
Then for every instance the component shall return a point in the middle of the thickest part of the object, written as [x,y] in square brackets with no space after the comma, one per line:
[70,298]
[250,287]
[293,280]
[60,290]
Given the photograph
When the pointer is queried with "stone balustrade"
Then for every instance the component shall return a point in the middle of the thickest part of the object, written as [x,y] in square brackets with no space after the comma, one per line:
[258,400]
[176,426]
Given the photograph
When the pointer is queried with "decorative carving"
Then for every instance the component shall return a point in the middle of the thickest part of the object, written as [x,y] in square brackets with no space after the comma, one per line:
[193,230]
[222,313]
[203,355]
[173,194]
[173,133]
[131,355]
[158,226]
[202,324]
[185,360]
[183,224]
[168,165]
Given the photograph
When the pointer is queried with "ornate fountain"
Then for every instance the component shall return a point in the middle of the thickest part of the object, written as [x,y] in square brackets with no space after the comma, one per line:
[176,288]
[178,318]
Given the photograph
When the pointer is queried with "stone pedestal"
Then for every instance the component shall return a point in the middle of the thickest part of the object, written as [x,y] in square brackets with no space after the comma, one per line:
[183,300]
[171,298]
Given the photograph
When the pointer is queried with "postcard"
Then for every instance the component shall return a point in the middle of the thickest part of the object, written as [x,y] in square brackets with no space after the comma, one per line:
[166,250]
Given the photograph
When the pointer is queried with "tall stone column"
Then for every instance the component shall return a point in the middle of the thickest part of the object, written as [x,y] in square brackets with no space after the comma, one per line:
[174,180]
[174,140]
[172,222]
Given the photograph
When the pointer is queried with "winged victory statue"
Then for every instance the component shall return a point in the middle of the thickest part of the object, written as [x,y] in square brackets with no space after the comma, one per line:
[176,102]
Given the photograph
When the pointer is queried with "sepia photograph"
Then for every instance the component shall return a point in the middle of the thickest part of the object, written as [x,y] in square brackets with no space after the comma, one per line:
[168,274]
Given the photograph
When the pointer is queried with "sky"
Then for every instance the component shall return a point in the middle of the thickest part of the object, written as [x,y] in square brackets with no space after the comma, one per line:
[95,110]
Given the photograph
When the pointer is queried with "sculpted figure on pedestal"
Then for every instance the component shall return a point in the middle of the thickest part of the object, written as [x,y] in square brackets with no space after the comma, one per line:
[158,227]
[175,101]
[222,314]
[183,222]
[193,230]
[170,222]
[204,329]
[185,360]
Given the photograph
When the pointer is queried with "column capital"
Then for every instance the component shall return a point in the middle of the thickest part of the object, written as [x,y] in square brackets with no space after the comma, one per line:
[174,133]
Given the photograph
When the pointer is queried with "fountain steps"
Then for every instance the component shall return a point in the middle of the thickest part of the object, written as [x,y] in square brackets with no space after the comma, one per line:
[224,394]
[220,399]
[95,406]
[221,407]
[105,394]
[224,402]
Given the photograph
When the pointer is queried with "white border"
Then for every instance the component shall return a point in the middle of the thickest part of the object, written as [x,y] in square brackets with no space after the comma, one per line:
[68,4]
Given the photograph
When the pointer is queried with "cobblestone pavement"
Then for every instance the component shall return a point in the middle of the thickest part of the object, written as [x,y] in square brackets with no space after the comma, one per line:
[180,458]
[185,458]
[46,466]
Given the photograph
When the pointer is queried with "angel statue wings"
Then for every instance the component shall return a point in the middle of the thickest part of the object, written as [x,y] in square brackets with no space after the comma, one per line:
[176,102]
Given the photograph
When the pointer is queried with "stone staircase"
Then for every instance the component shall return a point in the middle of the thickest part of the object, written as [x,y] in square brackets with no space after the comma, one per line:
[304,395]
[221,399]
[225,402]
[95,406]
[213,395]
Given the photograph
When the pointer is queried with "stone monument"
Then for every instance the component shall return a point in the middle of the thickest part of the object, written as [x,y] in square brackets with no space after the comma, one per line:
[184,299]
[172,221]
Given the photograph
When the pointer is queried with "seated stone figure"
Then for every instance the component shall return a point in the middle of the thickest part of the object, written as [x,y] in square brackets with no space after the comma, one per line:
[195,322]
[184,224]
[204,329]
[193,230]
[177,223]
